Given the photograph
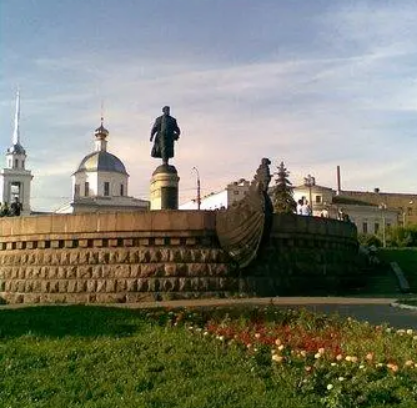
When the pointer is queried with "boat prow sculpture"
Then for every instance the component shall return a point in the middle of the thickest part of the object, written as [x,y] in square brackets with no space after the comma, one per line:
[242,228]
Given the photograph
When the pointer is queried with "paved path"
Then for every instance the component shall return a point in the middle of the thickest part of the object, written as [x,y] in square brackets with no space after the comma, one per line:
[374,310]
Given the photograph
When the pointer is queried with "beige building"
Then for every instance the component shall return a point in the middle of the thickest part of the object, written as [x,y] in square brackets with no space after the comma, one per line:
[370,217]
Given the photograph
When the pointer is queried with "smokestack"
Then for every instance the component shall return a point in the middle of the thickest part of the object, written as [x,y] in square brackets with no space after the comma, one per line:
[339,184]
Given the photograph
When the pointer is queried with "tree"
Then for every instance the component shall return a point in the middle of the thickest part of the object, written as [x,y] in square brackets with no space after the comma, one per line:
[282,196]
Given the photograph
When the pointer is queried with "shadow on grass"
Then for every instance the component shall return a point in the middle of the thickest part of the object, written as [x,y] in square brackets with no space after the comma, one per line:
[61,321]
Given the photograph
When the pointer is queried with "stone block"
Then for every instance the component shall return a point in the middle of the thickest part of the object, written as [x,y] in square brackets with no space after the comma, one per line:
[71,272]
[196,269]
[83,272]
[184,284]
[131,285]
[53,286]
[112,242]
[174,241]
[20,286]
[144,256]
[91,285]
[159,241]
[110,285]
[144,242]
[97,243]
[63,286]
[134,271]
[122,271]
[121,285]
[83,243]
[69,243]
[191,241]
[96,272]
[55,244]
[128,242]
[155,255]
[147,270]
[30,245]
[28,286]
[101,286]
[106,271]
[122,256]
[74,257]
[62,272]
[142,285]
[103,257]
[81,286]
[41,244]
[72,286]
[112,257]
[93,257]
[133,256]
[170,269]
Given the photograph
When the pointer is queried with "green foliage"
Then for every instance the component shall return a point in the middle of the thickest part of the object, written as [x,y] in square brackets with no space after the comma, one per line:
[368,240]
[282,198]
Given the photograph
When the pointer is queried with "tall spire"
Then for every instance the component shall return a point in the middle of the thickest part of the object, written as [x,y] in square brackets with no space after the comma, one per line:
[16,132]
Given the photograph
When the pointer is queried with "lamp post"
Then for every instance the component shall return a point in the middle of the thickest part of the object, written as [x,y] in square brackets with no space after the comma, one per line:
[198,188]
[383,207]
[310,182]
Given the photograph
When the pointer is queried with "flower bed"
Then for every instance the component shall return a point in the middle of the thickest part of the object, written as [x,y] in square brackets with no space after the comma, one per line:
[342,362]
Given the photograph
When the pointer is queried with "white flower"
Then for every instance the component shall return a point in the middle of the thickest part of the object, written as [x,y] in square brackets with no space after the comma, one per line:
[409,331]
[329,387]
[341,379]
[317,355]
[281,347]
[333,364]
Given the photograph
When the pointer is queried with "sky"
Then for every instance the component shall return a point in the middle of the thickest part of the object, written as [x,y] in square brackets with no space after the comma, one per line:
[313,84]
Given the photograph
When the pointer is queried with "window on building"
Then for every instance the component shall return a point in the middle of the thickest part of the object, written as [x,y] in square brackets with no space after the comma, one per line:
[23,164]
[376,228]
[365,227]
[122,189]
[106,188]
[86,188]
[16,163]
[318,199]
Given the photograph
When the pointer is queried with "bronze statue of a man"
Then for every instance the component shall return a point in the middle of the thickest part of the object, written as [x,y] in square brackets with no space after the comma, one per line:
[167,131]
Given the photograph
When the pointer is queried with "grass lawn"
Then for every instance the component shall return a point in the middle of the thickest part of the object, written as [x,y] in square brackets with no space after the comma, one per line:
[406,259]
[79,356]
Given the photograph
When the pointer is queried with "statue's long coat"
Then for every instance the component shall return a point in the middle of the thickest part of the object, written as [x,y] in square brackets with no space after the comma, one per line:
[167,132]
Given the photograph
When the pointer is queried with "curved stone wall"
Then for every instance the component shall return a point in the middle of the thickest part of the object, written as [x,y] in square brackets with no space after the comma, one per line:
[131,257]
[305,255]
[112,257]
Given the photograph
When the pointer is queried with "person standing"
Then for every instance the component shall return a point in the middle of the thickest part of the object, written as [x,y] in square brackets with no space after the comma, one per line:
[15,207]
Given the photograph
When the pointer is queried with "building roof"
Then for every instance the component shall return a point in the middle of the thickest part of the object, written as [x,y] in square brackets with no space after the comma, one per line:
[101,161]
[16,148]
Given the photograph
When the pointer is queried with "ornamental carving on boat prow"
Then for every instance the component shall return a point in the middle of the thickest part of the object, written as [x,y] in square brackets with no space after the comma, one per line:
[245,226]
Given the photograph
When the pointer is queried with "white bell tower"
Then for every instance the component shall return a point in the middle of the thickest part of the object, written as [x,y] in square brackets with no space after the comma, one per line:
[14,178]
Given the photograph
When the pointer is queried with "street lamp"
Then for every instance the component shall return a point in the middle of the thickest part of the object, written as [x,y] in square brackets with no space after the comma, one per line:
[310,182]
[198,188]
[383,207]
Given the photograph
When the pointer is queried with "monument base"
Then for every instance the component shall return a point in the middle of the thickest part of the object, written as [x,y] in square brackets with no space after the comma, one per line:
[164,188]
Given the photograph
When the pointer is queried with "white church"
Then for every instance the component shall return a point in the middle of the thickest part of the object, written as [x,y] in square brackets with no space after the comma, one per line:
[14,178]
[99,184]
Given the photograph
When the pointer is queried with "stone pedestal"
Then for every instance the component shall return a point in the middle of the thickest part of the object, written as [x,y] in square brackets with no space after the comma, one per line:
[164,188]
